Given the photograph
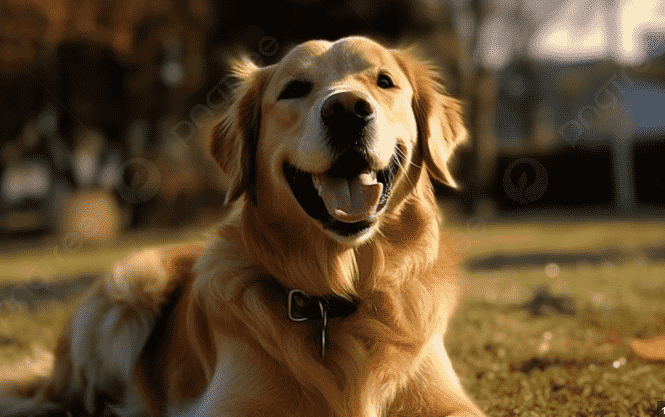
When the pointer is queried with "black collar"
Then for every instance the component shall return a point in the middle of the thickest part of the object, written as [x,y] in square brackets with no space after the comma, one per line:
[302,307]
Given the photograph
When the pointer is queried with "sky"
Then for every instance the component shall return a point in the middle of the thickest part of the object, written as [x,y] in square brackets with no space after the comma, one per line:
[571,31]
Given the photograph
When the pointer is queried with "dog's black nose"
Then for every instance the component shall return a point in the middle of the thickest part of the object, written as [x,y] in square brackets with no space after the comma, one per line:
[346,107]
[346,115]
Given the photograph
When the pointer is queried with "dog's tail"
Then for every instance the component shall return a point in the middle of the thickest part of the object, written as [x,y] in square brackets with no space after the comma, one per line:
[74,385]
[93,368]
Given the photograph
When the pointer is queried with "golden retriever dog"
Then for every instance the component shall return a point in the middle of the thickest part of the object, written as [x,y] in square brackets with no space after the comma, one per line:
[326,291]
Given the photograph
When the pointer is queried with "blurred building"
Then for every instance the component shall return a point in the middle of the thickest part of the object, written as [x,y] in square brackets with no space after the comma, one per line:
[575,85]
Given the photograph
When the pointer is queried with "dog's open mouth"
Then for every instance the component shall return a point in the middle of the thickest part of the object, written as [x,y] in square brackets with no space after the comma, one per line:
[346,198]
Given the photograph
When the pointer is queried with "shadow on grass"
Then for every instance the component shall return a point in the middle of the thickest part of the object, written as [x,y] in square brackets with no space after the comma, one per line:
[30,295]
[504,260]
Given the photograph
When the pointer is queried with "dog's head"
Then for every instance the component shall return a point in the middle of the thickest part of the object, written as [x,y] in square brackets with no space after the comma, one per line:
[327,137]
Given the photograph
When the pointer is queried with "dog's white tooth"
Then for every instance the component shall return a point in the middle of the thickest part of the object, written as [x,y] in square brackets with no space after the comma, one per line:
[368,178]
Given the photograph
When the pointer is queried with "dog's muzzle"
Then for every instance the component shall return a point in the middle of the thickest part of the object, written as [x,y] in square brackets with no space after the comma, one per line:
[349,196]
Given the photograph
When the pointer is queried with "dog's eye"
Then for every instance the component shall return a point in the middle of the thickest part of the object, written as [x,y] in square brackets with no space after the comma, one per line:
[295,89]
[384,81]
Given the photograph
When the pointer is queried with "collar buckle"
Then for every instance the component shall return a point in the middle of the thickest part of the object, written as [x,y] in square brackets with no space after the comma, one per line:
[324,315]
[302,307]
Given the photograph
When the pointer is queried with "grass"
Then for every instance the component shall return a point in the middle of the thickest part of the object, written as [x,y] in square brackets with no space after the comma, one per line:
[516,364]
[513,363]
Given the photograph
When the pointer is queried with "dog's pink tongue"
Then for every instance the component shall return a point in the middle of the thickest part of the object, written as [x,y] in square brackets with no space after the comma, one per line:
[349,200]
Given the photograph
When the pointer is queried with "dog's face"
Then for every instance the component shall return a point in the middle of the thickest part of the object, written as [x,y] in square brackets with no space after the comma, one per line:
[328,134]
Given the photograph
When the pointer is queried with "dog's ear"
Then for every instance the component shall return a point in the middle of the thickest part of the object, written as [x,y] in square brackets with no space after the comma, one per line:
[235,138]
[438,116]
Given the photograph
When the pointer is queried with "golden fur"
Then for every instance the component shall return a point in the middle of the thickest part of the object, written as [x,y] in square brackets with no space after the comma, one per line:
[202,330]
